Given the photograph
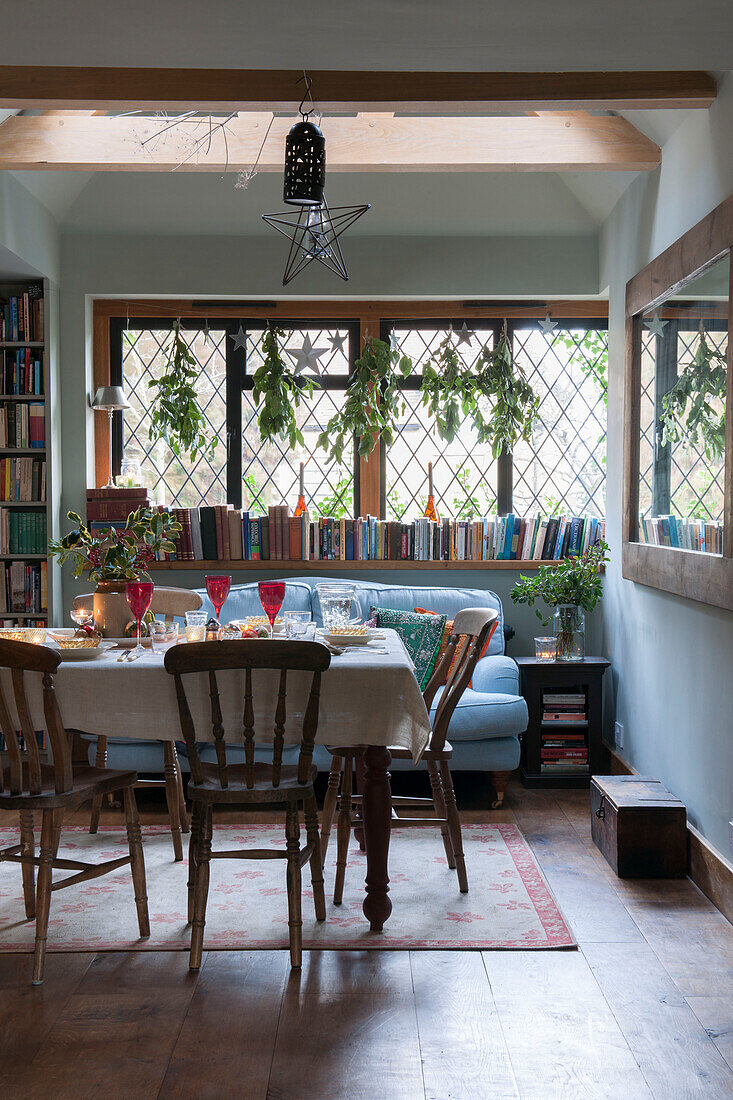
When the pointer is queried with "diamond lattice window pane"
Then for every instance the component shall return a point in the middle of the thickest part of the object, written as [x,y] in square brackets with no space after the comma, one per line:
[175,481]
[646,420]
[464,471]
[563,467]
[696,481]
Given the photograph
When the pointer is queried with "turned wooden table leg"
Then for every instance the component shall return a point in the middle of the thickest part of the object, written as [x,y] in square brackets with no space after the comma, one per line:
[359,771]
[377,817]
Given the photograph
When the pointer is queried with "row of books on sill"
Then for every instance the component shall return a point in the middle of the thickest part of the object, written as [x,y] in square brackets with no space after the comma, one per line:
[21,372]
[687,534]
[23,479]
[22,532]
[223,533]
[22,315]
[23,588]
[564,745]
[22,424]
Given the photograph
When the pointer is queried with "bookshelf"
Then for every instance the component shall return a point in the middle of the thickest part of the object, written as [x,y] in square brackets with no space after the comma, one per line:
[329,565]
[24,386]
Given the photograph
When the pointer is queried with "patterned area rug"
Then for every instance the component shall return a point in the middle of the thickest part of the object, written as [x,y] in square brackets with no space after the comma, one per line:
[509,904]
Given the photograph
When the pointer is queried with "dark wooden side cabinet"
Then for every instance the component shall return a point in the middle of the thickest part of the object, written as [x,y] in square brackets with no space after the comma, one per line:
[562,752]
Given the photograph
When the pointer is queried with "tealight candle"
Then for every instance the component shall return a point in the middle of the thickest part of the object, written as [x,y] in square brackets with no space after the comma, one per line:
[195,633]
[36,635]
[545,649]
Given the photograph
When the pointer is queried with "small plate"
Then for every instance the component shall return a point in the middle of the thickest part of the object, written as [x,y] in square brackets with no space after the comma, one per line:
[128,643]
[84,654]
[349,639]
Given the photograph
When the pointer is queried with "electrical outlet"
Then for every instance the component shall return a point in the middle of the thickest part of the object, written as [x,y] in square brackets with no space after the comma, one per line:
[618,735]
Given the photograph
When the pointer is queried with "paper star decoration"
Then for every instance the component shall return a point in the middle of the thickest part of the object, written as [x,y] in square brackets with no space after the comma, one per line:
[314,236]
[548,326]
[307,356]
[338,341]
[464,336]
[655,326]
[239,338]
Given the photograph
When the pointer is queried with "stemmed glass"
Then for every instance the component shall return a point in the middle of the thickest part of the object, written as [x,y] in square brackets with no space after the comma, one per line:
[218,590]
[139,595]
[272,594]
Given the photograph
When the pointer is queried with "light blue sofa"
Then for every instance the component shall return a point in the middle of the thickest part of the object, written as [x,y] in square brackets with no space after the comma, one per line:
[485,727]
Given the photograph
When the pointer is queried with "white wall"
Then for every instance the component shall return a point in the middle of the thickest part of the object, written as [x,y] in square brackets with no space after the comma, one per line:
[672,658]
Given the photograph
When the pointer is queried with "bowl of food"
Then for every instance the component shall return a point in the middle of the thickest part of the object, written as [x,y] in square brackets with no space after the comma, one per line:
[260,624]
[74,641]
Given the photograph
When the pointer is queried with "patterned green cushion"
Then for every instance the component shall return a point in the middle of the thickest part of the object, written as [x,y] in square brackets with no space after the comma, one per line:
[422,635]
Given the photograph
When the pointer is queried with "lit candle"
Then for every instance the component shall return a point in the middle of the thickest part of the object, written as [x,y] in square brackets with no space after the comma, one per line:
[545,649]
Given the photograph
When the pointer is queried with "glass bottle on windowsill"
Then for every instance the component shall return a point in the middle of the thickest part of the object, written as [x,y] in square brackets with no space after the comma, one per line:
[300,506]
[431,512]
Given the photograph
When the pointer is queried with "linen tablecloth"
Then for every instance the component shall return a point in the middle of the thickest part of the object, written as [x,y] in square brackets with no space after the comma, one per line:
[367,698]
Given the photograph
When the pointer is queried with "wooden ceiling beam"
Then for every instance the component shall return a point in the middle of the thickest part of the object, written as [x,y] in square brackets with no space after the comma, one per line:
[553,142]
[28,86]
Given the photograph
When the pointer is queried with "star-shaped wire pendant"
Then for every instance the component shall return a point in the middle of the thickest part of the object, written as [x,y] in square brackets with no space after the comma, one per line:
[239,338]
[337,342]
[307,356]
[656,325]
[314,236]
[548,326]
[464,335]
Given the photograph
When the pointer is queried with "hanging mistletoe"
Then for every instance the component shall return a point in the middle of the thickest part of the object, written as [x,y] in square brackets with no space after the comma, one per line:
[176,415]
[688,415]
[374,401]
[277,391]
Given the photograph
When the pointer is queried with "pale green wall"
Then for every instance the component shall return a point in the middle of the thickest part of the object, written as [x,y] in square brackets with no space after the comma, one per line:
[672,658]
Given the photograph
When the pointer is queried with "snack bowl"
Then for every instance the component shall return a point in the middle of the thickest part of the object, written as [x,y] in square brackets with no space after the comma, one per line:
[70,641]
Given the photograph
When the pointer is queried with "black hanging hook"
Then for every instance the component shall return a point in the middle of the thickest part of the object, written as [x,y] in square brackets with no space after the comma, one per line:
[306,95]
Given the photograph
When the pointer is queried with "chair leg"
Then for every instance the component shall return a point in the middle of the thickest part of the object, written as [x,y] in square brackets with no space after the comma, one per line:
[193,854]
[182,808]
[43,898]
[311,831]
[171,797]
[100,762]
[441,811]
[500,781]
[28,843]
[201,887]
[454,825]
[137,861]
[329,804]
[343,831]
[295,922]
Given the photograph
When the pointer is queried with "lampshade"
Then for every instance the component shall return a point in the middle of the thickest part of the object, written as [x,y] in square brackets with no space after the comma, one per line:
[305,165]
[110,397]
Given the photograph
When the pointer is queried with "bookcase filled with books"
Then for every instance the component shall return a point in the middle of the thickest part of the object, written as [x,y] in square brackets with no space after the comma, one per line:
[24,437]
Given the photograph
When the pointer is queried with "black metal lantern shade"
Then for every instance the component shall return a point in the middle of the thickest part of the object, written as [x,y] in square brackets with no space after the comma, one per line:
[305,165]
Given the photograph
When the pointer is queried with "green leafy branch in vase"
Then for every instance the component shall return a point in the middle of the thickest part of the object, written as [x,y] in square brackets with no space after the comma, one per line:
[176,415]
[278,391]
[374,402]
[575,581]
[688,416]
[114,554]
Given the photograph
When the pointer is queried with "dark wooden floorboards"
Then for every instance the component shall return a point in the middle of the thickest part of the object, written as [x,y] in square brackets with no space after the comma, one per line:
[643,1009]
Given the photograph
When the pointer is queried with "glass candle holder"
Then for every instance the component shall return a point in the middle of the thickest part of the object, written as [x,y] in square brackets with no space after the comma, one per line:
[195,626]
[162,635]
[36,635]
[545,649]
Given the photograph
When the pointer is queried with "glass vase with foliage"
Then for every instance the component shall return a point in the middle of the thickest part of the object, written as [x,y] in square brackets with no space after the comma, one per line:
[117,554]
[278,390]
[175,414]
[693,409]
[573,584]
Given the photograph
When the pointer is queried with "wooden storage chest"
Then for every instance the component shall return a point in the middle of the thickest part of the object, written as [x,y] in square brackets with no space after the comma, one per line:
[639,826]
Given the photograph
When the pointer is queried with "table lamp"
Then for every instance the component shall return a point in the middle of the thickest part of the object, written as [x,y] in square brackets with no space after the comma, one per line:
[111,399]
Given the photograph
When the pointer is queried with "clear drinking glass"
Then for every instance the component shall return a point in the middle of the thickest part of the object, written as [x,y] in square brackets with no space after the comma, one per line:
[162,635]
[296,622]
[195,626]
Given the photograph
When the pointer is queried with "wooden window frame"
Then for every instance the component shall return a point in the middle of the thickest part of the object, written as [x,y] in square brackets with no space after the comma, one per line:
[697,576]
[372,317]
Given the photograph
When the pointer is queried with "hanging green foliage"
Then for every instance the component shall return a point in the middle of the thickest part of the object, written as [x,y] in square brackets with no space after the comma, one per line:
[176,415]
[278,391]
[688,416]
[447,390]
[374,401]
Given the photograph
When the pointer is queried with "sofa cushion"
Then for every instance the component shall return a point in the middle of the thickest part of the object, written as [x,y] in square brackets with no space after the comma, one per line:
[479,716]
[496,674]
[421,634]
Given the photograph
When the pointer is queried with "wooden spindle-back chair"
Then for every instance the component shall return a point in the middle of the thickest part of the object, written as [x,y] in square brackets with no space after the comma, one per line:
[472,630]
[250,783]
[27,784]
[170,603]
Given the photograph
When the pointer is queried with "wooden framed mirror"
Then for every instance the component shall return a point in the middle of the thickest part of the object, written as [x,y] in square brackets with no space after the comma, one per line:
[678,417]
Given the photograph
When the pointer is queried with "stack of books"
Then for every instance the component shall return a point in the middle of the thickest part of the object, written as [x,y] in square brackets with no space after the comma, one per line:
[23,587]
[21,372]
[564,744]
[21,315]
[111,507]
[223,533]
[22,532]
[23,479]
[705,535]
[22,424]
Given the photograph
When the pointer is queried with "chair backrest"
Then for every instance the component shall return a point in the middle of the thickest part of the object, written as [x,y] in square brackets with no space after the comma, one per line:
[169,602]
[23,772]
[472,629]
[247,655]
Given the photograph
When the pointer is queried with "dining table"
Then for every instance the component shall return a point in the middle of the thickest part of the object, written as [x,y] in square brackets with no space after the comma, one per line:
[369,697]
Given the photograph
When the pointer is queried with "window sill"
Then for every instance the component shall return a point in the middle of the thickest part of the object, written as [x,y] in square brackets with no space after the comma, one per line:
[326,566]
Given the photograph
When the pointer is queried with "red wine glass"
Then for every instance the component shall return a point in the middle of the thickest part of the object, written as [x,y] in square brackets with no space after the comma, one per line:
[218,589]
[139,595]
[272,594]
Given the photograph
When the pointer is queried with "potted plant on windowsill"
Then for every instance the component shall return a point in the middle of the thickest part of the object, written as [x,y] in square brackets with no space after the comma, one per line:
[114,556]
[573,587]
